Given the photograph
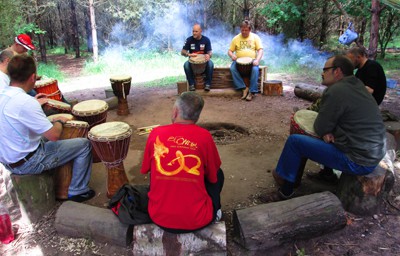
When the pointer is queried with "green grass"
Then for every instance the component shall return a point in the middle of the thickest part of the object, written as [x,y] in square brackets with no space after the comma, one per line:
[50,70]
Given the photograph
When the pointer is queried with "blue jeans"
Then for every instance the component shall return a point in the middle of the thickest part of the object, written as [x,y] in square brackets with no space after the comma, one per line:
[190,76]
[238,80]
[300,147]
[52,154]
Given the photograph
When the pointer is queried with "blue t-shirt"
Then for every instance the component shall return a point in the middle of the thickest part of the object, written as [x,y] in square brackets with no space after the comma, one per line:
[201,46]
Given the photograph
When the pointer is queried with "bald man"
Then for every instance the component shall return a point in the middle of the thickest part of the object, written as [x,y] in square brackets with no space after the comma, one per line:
[198,44]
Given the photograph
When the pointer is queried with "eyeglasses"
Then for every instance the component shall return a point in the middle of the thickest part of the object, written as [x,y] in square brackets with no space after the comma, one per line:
[327,68]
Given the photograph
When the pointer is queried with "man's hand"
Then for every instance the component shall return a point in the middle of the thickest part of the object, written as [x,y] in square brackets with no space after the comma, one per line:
[256,62]
[329,138]
[40,95]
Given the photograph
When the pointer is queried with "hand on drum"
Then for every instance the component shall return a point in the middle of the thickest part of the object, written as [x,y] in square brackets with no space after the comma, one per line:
[328,138]
[192,55]
[42,98]
[61,118]
[255,62]
[234,57]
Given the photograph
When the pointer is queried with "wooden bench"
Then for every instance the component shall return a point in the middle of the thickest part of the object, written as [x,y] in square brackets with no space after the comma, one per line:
[222,79]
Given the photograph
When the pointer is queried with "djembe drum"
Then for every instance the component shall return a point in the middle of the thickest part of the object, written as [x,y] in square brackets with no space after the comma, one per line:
[55,117]
[56,107]
[198,64]
[121,86]
[244,65]
[111,142]
[302,122]
[93,112]
[48,86]
[63,174]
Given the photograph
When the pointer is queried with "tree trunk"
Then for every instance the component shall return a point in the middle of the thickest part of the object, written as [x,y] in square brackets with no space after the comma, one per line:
[94,31]
[324,24]
[42,45]
[63,30]
[86,14]
[75,31]
[374,33]
[308,92]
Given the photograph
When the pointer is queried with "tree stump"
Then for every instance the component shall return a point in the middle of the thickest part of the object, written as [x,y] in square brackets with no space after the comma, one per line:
[35,193]
[269,225]
[363,195]
[308,92]
[182,87]
[393,128]
[149,239]
[272,88]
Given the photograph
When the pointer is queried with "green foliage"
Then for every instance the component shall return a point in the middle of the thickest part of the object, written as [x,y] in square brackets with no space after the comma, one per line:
[31,28]
[282,11]
[50,70]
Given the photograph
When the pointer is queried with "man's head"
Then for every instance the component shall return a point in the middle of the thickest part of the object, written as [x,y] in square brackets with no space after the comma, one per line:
[335,69]
[196,31]
[357,55]
[245,28]
[188,107]
[5,57]
[22,70]
[23,43]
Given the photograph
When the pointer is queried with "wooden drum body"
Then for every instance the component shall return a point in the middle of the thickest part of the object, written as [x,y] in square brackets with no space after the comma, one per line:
[198,64]
[121,86]
[56,107]
[244,65]
[111,143]
[48,86]
[63,174]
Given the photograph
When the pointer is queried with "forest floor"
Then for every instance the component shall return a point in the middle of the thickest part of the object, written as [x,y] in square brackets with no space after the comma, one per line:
[248,158]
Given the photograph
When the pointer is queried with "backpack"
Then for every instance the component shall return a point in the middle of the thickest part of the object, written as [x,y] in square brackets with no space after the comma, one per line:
[130,204]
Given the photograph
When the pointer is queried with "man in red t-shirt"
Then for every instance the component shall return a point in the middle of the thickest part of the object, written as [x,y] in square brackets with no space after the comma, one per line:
[185,175]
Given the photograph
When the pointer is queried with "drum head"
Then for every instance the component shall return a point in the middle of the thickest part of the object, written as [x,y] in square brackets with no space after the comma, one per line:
[58,104]
[120,78]
[76,123]
[89,107]
[305,119]
[200,58]
[244,60]
[44,81]
[110,131]
[55,116]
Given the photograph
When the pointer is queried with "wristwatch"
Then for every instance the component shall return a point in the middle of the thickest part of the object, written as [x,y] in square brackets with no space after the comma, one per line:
[59,121]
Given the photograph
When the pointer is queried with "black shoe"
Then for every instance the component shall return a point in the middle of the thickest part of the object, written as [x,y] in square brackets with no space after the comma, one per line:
[83,197]
[322,177]
[275,197]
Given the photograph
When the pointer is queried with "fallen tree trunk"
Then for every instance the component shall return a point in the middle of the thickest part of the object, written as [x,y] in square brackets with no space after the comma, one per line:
[308,92]
[269,225]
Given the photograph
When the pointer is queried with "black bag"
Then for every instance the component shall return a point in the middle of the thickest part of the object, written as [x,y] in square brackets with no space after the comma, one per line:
[130,204]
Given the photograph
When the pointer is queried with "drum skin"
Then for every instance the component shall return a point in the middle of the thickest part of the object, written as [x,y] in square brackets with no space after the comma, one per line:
[198,64]
[92,111]
[302,122]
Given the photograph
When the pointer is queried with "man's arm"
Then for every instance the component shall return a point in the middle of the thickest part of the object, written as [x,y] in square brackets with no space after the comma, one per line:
[208,55]
[184,53]
[232,55]
[54,133]
[369,89]
[260,53]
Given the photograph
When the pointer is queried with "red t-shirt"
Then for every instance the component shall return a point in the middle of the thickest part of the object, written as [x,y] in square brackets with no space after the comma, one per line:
[179,158]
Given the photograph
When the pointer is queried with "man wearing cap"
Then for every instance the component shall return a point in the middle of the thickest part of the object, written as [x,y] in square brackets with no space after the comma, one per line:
[22,44]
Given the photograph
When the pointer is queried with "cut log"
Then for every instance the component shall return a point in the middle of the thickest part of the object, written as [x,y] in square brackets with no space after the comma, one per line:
[273,88]
[308,92]
[269,225]
[149,239]
[182,87]
[363,195]
[35,193]
[86,221]
[394,128]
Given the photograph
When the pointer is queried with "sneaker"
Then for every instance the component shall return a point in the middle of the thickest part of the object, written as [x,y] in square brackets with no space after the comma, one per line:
[207,88]
[322,177]
[219,216]
[275,197]
[191,88]
[245,93]
[82,197]
[249,96]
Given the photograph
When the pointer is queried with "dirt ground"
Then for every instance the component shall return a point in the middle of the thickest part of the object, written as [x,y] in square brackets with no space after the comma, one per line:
[250,137]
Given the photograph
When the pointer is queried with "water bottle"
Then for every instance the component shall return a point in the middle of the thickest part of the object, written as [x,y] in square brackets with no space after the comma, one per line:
[6,232]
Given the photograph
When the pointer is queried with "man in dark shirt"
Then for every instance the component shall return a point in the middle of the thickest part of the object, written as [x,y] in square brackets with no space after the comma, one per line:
[194,45]
[369,72]
[352,135]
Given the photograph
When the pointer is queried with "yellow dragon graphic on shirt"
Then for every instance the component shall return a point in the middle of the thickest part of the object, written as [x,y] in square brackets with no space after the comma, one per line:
[160,151]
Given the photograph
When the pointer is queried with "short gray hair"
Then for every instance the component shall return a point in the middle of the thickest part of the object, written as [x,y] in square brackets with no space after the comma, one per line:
[190,105]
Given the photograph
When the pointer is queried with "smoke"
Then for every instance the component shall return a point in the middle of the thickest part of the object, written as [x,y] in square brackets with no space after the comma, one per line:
[168,31]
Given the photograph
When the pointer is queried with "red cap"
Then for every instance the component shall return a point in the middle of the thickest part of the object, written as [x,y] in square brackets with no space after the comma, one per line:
[25,41]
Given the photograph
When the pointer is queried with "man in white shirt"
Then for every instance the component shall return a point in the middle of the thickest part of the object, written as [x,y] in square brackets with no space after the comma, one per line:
[5,57]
